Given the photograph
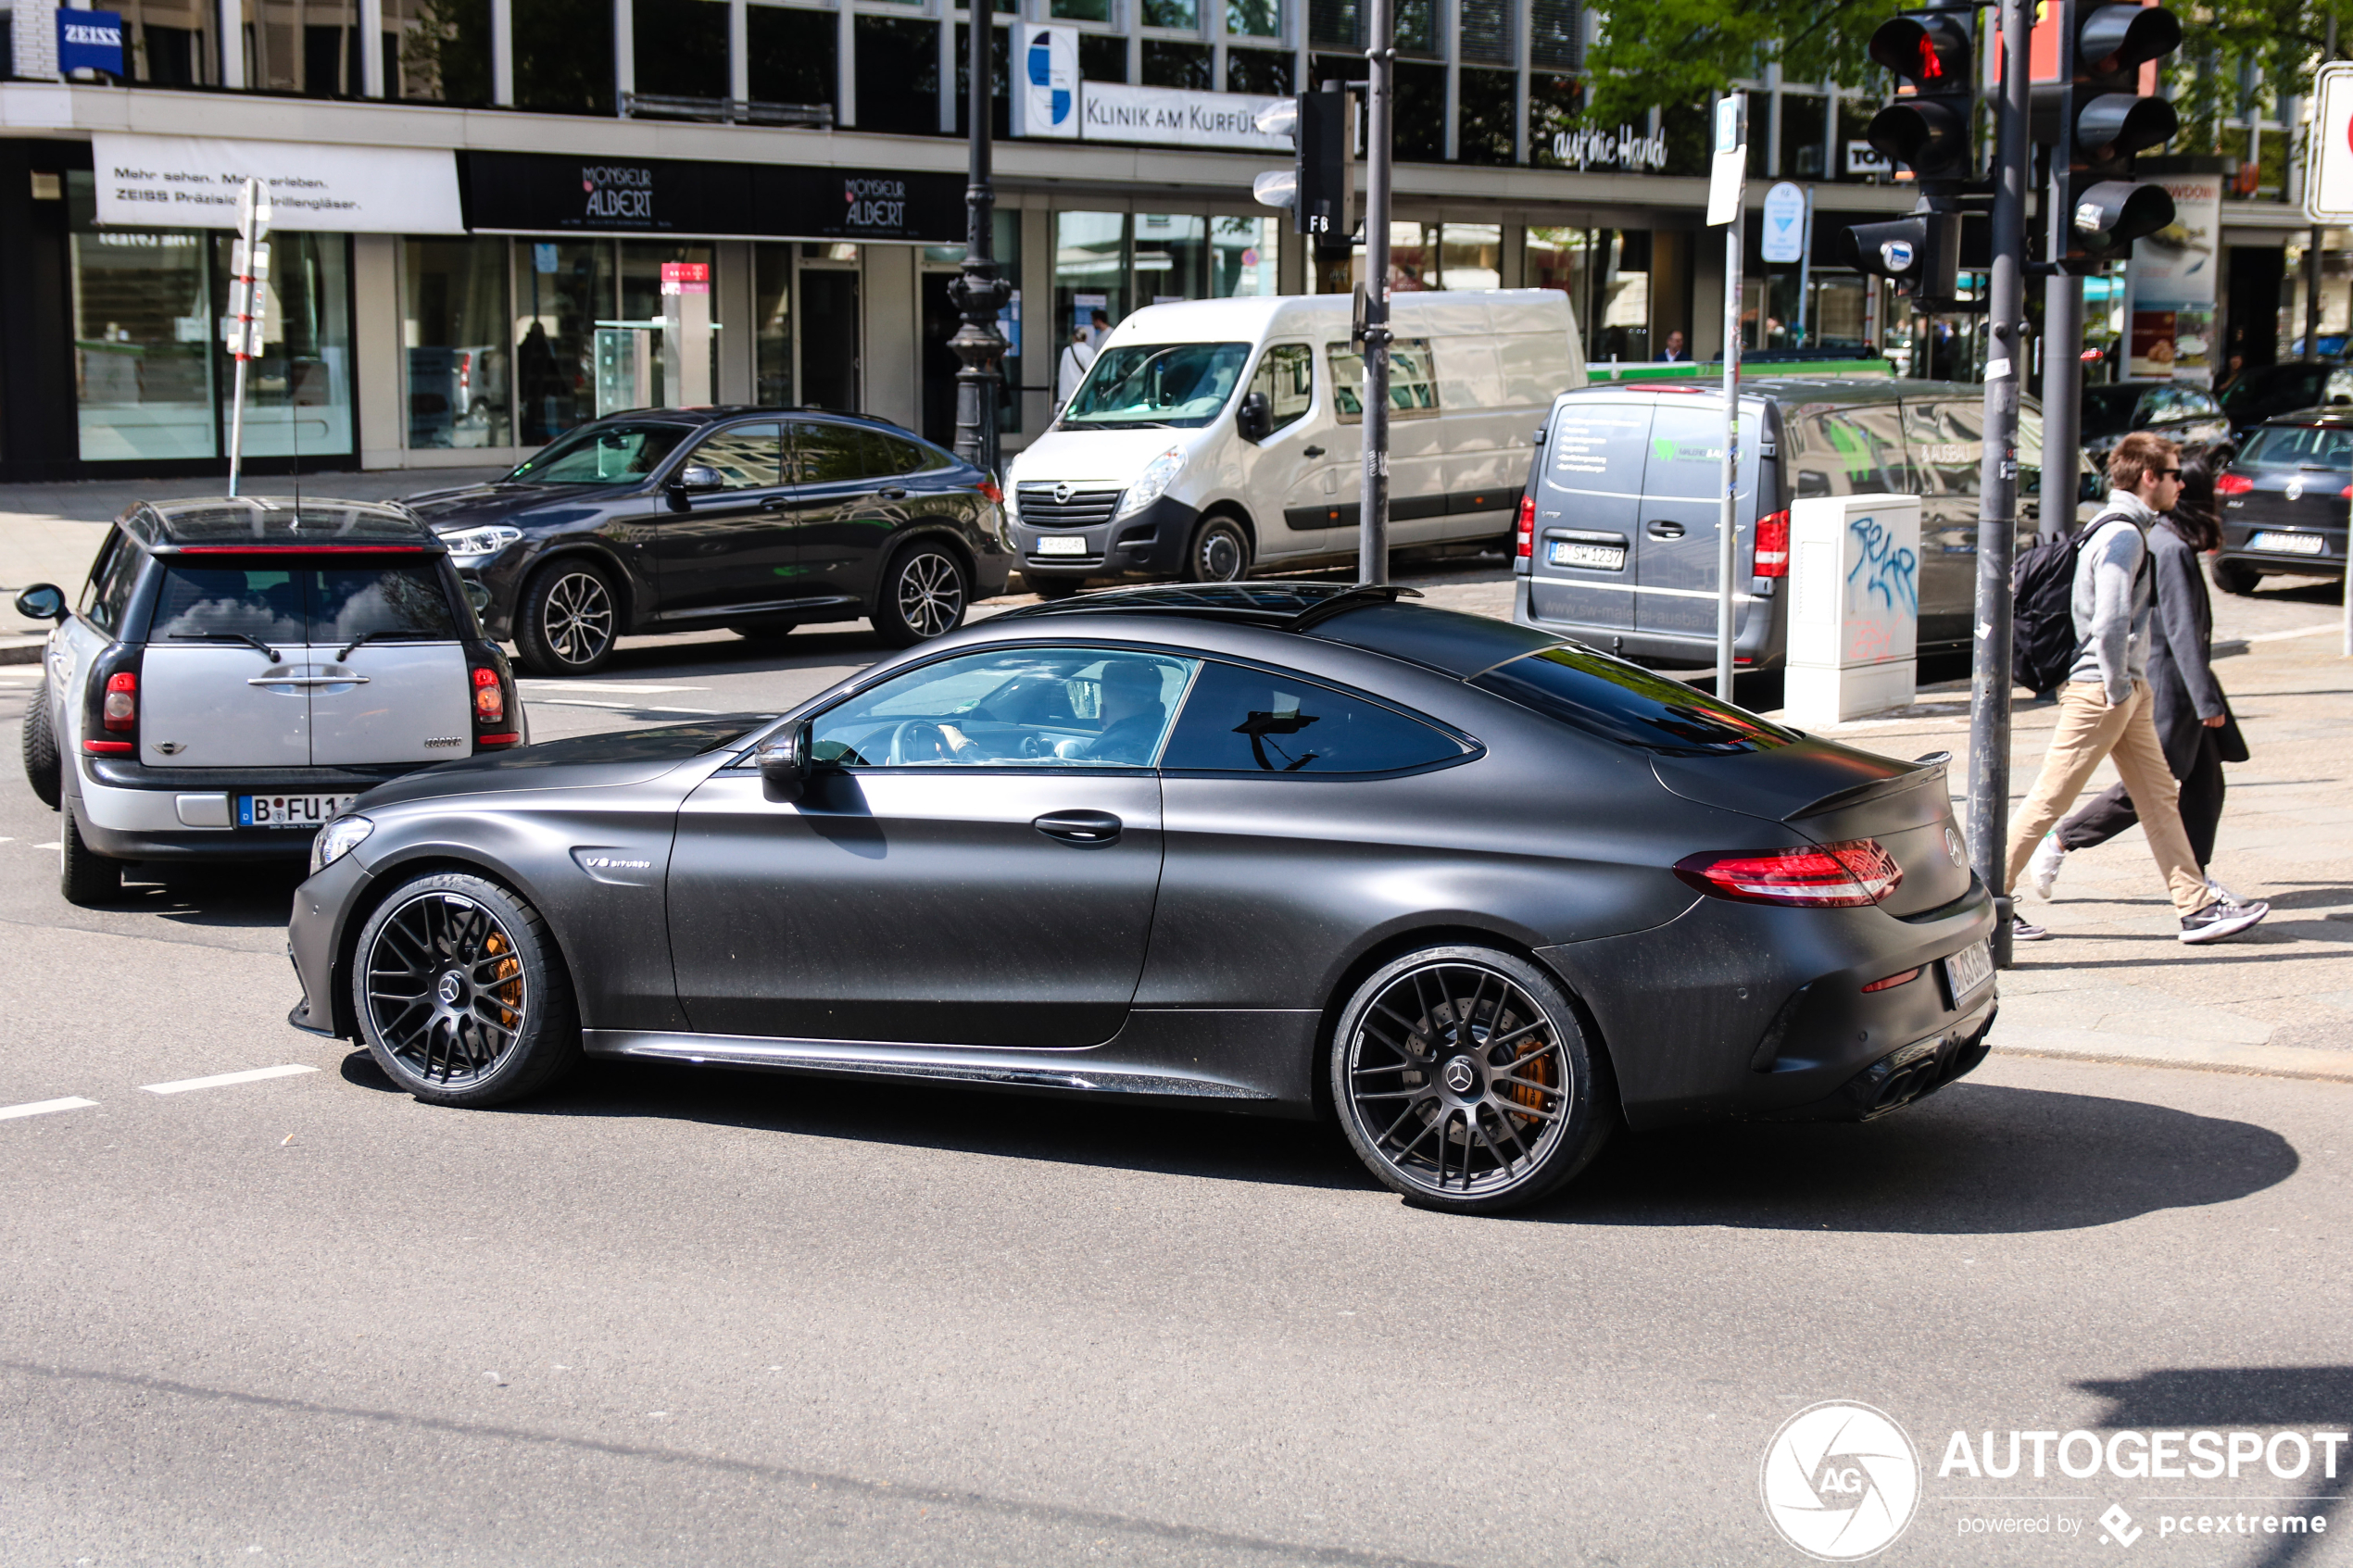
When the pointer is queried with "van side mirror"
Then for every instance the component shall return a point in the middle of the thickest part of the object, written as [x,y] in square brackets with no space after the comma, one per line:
[1255,421]
[783,763]
[43,601]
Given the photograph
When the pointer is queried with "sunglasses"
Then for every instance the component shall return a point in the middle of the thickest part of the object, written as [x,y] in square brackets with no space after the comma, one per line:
[2168,473]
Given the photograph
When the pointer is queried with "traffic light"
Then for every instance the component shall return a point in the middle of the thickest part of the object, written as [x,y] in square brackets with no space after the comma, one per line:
[1930,129]
[1320,186]
[2103,121]
[1921,253]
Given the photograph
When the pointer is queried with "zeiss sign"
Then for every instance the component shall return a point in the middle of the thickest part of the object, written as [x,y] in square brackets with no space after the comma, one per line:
[90,41]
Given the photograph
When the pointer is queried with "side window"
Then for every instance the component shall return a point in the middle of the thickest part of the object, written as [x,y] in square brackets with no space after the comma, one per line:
[1017,708]
[1947,441]
[747,456]
[827,453]
[1286,377]
[905,457]
[2340,387]
[2199,405]
[108,594]
[1847,451]
[1241,721]
[1412,380]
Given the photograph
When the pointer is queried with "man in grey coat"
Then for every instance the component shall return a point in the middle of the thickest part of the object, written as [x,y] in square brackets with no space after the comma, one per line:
[2105,706]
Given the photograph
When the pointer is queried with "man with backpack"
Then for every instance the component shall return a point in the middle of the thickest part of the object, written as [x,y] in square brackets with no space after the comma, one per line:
[2105,704]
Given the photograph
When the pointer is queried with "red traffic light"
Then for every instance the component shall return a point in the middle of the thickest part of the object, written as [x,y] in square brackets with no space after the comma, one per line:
[1925,47]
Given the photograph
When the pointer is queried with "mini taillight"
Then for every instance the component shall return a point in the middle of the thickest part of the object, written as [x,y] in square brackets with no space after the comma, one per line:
[508,739]
[1772,545]
[1524,535]
[122,701]
[2232,484]
[1828,876]
[490,697]
[1892,981]
[992,489]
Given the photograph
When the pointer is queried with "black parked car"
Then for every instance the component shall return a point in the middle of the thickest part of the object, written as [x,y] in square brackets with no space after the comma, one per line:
[760,519]
[2187,416]
[2283,502]
[1288,848]
[2268,391]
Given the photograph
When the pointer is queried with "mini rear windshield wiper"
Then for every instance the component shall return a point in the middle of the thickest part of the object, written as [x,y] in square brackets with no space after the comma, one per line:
[246,637]
[388,636]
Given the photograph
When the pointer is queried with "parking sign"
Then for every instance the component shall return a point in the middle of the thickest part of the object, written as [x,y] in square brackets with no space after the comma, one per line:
[2328,185]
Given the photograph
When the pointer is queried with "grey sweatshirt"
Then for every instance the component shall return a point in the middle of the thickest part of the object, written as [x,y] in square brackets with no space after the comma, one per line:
[2113,596]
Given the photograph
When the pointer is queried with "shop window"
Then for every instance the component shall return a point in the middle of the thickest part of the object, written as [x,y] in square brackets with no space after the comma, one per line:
[1557,34]
[1490,105]
[1471,257]
[1413,257]
[299,391]
[171,56]
[1686,129]
[1418,28]
[1168,64]
[1183,15]
[1336,24]
[1254,18]
[272,47]
[1555,105]
[563,57]
[1804,121]
[330,66]
[145,319]
[1171,257]
[170,40]
[898,75]
[676,373]
[792,54]
[682,47]
[562,289]
[1242,256]
[1485,31]
[1102,56]
[454,328]
[439,51]
[1419,121]
[1258,71]
[1082,11]
[772,330]
[1091,274]
[1001,102]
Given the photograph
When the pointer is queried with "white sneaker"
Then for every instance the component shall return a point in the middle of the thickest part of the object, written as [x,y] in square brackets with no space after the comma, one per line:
[2222,892]
[2043,869]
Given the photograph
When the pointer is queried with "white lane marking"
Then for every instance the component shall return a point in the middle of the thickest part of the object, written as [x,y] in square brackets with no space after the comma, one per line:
[628,707]
[43,1107]
[601,686]
[2304,632]
[53,843]
[222,1080]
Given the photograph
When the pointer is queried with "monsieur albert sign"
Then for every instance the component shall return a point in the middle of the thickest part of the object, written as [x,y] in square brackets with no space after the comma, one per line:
[540,193]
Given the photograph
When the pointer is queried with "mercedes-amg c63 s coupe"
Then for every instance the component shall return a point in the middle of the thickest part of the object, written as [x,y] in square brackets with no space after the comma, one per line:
[1298,848]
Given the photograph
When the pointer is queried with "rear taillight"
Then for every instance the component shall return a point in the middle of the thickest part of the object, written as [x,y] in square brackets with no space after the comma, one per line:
[992,489]
[495,705]
[1524,533]
[1892,981]
[490,697]
[110,703]
[1828,876]
[2232,484]
[122,709]
[1772,545]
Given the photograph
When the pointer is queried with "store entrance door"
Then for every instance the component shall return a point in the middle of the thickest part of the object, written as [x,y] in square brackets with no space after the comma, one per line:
[940,364]
[829,338]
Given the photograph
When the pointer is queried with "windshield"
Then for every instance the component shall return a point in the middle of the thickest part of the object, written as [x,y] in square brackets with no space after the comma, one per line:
[1181,385]
[2288,446]
[602,455]
[2108,410]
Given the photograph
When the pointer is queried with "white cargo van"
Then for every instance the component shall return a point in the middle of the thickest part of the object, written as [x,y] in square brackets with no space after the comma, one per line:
[1221,434]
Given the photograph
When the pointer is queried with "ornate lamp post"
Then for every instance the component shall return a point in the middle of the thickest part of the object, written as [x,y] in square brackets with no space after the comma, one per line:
[979,294]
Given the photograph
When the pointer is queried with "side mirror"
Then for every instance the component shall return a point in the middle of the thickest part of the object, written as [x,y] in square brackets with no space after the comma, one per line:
[1255,421]
[43,601]
[696,478]
[783,763]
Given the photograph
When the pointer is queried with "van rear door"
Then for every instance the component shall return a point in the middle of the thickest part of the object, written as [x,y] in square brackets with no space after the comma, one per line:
[1587,507]
[1682,504]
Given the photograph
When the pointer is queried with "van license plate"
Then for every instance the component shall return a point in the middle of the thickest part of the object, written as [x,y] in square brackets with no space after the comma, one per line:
[1969,969]
[288,810]
[1061,544]
[2290,543]
[1597,558]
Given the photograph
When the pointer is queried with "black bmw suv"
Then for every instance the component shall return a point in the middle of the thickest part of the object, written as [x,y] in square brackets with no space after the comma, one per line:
[758,520]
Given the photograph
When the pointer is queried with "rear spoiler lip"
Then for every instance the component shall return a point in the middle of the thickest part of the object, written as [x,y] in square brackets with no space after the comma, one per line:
[1914,774]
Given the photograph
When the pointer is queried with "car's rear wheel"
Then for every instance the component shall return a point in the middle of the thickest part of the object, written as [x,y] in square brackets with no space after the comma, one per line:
[1219,552]
[923,594]
[88,879]
[461,994]
[1465,1083]
[42,769]
[568,618]
[2234,578]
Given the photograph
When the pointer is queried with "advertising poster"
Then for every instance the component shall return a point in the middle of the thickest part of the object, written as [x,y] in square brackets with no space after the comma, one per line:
[1046,99]
[2174,275]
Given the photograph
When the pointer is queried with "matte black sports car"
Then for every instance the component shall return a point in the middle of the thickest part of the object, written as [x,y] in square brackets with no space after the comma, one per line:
[1290,848]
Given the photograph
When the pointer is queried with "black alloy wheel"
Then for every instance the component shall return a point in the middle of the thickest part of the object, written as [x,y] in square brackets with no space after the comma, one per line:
[1219,552]
[1465,1083]
[88,879]
[42,769]
[568,619]
[460,994]
[2234,578]
[923,594]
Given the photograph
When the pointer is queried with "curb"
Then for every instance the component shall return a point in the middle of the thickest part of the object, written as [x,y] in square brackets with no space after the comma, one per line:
[2260,1061]
[22,653]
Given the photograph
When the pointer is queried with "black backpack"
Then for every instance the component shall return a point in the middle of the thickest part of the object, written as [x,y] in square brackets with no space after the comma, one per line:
[2044,645]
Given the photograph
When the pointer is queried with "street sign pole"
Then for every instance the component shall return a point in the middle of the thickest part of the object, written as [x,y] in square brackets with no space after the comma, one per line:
[250,269]
[1726,194]
[2062,323]
[1372,564]
[1989,769]
[2328,199]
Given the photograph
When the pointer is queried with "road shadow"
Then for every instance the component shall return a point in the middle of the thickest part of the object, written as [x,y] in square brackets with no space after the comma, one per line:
[1976,1159]
[241,896]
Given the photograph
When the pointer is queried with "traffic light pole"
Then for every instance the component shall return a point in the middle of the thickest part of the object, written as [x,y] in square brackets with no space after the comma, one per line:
[1989,770]
[2062,326]
[1372,563]
[979,294]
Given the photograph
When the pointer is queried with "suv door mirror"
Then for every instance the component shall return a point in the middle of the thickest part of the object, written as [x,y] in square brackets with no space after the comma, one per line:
[1255,421]
[783,763]
[696,478]
[43,601]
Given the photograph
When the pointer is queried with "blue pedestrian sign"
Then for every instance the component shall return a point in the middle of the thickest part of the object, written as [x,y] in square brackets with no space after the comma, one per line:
[90,41]
[1784,235]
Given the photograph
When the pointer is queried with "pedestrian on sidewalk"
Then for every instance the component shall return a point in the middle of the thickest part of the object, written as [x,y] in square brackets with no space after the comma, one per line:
[2106,709]
[1077,360]
[2193,716]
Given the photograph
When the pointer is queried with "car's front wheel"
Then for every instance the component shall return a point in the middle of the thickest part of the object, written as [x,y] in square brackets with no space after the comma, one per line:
[1465,1082]
[1219,552]
[42,769]
[568,618]
[88,879]
[461,994]
[923,594]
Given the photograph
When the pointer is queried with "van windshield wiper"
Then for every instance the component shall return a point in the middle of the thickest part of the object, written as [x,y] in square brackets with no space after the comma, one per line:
[246,637]
[387,636]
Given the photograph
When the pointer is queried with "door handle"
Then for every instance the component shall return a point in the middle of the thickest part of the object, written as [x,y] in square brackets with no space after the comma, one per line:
[1078,827]
[892,492]
[1311,451]
[775,503]
[1665,531]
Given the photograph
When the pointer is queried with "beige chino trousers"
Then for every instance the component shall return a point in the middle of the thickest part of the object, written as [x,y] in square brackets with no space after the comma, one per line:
[2089,730]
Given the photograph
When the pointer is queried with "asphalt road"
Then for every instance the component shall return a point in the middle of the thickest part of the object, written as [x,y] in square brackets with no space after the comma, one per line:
[666,1316]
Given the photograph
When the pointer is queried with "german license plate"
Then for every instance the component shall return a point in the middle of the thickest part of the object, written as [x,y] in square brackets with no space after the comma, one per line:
[1597,558]
[1061,544]
[288,810]
[1969,969]
[2290,543]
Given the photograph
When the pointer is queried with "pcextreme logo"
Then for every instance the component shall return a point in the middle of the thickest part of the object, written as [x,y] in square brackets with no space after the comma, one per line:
[1841,1481]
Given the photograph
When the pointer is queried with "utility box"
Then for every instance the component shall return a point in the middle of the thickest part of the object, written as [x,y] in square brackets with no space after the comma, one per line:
[1855,606]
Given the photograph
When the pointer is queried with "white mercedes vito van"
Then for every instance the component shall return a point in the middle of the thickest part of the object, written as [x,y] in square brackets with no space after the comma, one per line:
[1219,434]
